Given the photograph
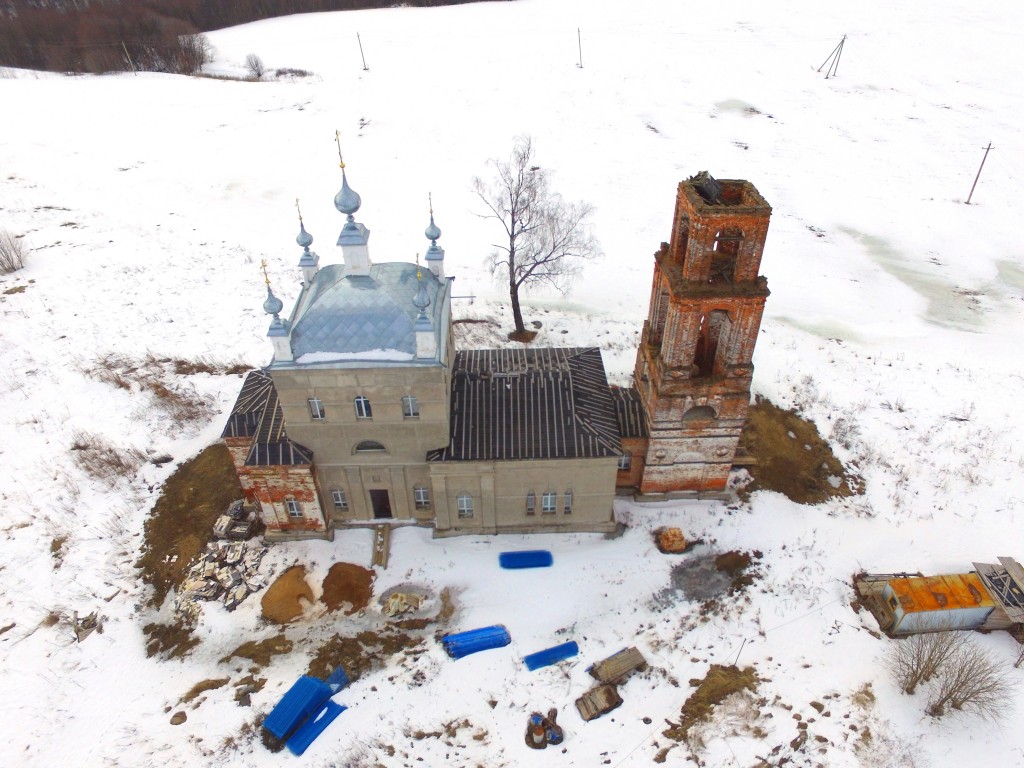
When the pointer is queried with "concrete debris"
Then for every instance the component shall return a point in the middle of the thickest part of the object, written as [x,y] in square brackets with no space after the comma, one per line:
[239,523]
[225,571]
[400,602]
[86,625]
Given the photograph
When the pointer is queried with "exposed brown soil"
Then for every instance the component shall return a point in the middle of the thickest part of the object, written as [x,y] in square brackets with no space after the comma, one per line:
[524,337]
[364,652]
[173,640]
[348,584]
[261,651]
[183,518]
[719,683]
[791,457]
[283,600]
[202,687]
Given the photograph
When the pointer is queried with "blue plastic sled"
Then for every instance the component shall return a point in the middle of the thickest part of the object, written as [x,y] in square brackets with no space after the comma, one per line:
[464,643]
[551,655]
[531,558]
[313,727]
[305,697]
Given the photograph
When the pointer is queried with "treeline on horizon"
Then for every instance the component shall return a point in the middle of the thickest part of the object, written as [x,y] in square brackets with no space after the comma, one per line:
[156,35]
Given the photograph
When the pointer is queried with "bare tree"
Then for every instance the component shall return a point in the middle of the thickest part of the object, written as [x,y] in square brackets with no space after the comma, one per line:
[918,658]
[548,239]
[12,252]
[971,680]
[255,66]
[192,52]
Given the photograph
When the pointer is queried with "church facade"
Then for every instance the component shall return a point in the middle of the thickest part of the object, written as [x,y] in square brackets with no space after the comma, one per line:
[367,411]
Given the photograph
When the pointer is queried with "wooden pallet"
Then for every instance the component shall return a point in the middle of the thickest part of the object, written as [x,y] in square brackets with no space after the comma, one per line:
[381,545]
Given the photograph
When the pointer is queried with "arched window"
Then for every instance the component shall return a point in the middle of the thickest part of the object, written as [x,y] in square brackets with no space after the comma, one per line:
[370,446]
[700,413]
[363,410]
[726,250]
[712,338]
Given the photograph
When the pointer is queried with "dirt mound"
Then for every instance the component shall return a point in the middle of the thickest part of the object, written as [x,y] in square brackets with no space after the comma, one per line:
[792,458]
[282,602]
[348,584]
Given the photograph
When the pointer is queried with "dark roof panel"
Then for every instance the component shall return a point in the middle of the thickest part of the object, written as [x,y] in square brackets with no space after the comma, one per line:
[629,411]
[514,404]
[257,414]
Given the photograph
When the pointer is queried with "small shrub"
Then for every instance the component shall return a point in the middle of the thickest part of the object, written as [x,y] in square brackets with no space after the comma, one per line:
[105,461]
[12,252]
[254,64]
[292,72]
[972,681]
[918,659]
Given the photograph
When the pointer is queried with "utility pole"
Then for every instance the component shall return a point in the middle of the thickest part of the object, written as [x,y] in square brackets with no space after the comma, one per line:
[978,176]
[361,54]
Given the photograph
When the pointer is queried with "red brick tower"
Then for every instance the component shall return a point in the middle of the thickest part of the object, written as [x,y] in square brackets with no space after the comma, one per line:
[693,367]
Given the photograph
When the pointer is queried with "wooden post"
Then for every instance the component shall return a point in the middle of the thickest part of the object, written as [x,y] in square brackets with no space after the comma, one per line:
[128,56]
[361,54]
[978,176]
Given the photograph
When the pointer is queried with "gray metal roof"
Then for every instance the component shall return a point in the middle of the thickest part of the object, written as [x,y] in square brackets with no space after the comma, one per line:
[512,404]
[257,414]
[345,314]
[629,411]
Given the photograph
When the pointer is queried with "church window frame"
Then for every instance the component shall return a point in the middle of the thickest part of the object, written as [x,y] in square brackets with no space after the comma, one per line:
[370,446]
[316,409]
[548,503]
[410,407]
[531,503]
[421,497]
[363,407]
[625,462]
[293,507]
[339,498]
[567,503]
[464,505]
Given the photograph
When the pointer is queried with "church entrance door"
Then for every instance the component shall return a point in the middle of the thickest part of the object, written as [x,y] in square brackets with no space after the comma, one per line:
[381,504]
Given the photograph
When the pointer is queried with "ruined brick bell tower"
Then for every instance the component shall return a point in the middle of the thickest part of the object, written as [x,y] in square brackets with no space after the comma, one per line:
[693,368]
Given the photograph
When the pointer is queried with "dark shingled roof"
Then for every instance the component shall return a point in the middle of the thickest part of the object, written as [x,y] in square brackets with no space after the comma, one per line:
[630,412]
[257,414]
[513,404]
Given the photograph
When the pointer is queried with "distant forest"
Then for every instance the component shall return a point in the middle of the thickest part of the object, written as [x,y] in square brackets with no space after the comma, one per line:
[156,35]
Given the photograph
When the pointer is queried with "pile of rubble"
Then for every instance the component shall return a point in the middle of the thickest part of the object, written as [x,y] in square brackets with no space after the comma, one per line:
[225,571]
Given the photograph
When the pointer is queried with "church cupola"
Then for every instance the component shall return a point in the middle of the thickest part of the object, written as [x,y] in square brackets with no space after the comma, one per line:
[309,263]
[435,253]
[278,331]
[354,238]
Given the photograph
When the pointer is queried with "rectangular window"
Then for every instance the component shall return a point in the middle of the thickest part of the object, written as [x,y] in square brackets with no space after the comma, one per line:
[567,506]
[465,505]
[363,410]
[410,407]
[316,408]
[531,503]
[340,502]
[421,497]
[625,461]
[294,508]
[547,503]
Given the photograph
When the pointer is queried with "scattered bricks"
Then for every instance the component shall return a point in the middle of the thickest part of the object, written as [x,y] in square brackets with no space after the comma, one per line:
[234,552]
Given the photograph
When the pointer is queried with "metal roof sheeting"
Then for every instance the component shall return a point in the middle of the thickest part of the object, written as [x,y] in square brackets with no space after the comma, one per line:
[305,697]
[510,404]
[630,412]
[345,313]
[941,593]
[257,414]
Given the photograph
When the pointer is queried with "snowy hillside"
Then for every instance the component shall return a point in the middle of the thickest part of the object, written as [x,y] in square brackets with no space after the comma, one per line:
[896,310]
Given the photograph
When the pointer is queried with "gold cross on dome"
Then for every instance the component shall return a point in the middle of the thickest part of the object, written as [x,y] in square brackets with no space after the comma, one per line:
[337,140]
[263,266]
[298,209]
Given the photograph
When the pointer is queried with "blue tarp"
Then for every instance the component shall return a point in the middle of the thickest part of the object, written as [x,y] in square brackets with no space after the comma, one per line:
[304,698]
[531,558]
[313,727]
[337,680]
[465,643]
[551,655]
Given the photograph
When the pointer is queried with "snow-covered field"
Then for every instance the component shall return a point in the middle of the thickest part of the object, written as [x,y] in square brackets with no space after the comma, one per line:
[894,322]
